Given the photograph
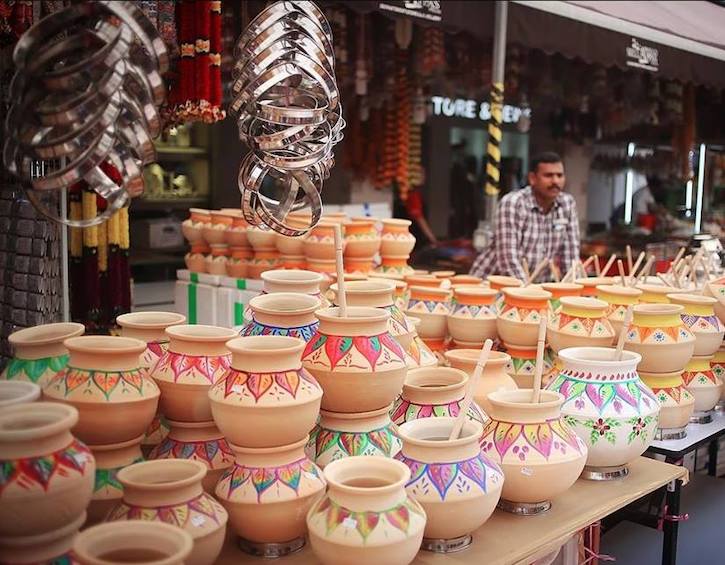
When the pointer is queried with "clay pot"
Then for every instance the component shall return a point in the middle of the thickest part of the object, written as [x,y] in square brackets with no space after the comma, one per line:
[52,547]
[717,365]
[358,364]
[47,473]
[436,392]
[716,289]
[284,313]
[39,353]
[467,279]
[676,403]
[236,235]
[287,245]
[418,353]
[540,454]
[432,306]
[266,398]
[493,378]
[457,485]
[699,316]
[294,280]
[499,282]
[520,313]
[193,226]
[335,217]
[293,262]
[394,265]
[262,261]
[197,358]
[17,392]
[425,279]
[361,238]
[558,291]
[261,240]
[658,334]
[590,284]
[388,523]
[195,259]
[320,242]
[522,365]
[619,299]
[472,317]
[104,380]
[607,404]
[581,322]
[401,294]
[396,238]
[323,266]
[149,327]
[655,293]
[361,265]
[198,441]
[214,233]
[237,264]
[269,490]
[702,383]
[340,434]
[216,262]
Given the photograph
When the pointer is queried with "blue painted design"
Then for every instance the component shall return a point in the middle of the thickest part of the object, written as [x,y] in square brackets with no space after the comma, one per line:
[303,332]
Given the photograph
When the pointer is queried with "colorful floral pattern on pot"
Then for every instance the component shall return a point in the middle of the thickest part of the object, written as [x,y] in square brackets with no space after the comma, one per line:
[519,315]
[676,403]
[395,238]
[619,299]
[702,383]
[580,322]
[473,315]
[149,327]
[522,366]
[419,354]
[432,306]
[700,318]
[286,314]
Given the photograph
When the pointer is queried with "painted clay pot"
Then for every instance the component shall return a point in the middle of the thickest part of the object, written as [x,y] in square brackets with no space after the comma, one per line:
[287,245]
[520,313]
[114,395]
[236,235]
[340,434]
[320,242]
[52,547]
[433,392]
[198,441]
[702,383]
[676,403]
[401,294]
[418,353]
[432,306]
[394,265]
[285,314]
[590,284]
[214,233]
[237,264]
[170,491]
[658,334]
[266,398]
[716,289]
[378,294]
[608,406]
[499,282]
[47,474]
[619,299]
[473,317]
[293,262]
[467,279]
[149,327]
[655,293]
[261,240]
[195,259]
[366,516]
[152,543]
[358,364]
[268,491]
[699,316]
[423,279]
[540,454]
[717,365]
[17,392]
[266,260]
[39,353]
[361,265]
[493,378]
[216,262]
[192,227]
[361,238]
[396,238]
[581,322]
[335,217]
[558,291]
[457,485]
[522,365]
[197,358]
[438,346]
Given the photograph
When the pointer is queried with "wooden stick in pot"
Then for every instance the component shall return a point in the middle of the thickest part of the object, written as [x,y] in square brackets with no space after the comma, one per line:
[471,388]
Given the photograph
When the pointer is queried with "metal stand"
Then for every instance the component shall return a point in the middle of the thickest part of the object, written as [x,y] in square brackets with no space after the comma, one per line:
[452,545]
[271,550]
[671,433]
[671,522]
[524,508]
[701,417]
[605,473]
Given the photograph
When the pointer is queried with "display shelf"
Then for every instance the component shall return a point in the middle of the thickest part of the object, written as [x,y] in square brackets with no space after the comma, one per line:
[507,539]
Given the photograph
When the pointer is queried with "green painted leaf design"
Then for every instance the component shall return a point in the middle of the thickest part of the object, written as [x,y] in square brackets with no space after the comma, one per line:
[610,437]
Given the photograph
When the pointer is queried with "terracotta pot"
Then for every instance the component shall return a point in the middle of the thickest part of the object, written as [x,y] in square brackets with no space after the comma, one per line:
[149,327]
[717,290]
[699,316]
[418,353]
[290,245]
[619,299]
[473,317]
[293,262]
[358,364]
[17,392]
[48,475]
[432,306]
[558,291]
[216,262]
[676,403]
[151,543]
[717,365]
[198,441]
[607,404]
[170,491]
[156,432]
[268,491]
[590,284]
[284,313]
[262,261]
[320,242]
[361,265]
[702,383]
[293,280]
[394,265]
[237,234]
[335,217]
[540,454]
[438,346]
[493,378]
[499,282]
[522,365]
[340,434]
[655,293]
[39,353]
[426,280]
[581,322]
[361,238]
[197,358]
[193,226]
[658,334]
[104,380]
[237,268]
[396,238]
[261,240]
[52,547]
[214,233]
[401,294]
[457,485]
[266,398]
[519,315]
[195,259]
[386,525]
[436,392]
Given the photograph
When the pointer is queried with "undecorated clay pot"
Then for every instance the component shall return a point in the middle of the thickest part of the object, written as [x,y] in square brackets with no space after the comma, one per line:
[394,265]
[105,381]
[699,316]
[493,378]
[170,491]
[658,334]
[457,485]
[472,317]
[435,392]
[361,238]
[558,291]
[522,366]
[293,280]
[520,313]
[608,406]
[396,238]
[149,327]
[366,516]
[284,313]
[192,227]
[716,289]
[320,242]
[676,403]
[418,353]
[432,306]
[655,293]
[261,262]
[195,259]
[268,492]
[581,322]
[261,240]
[339,435]
[52,547]
[39,353]
[702,383]
[540,454]
[47,474]
[17,392]
[266,398]
[197,358]
[151,543]
[358,364]
[619,299]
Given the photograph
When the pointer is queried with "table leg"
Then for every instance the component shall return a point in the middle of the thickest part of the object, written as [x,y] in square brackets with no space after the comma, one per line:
[712,450]
[671,525]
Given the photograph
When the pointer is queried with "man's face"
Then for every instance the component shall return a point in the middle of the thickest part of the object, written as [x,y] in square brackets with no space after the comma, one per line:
[548,180]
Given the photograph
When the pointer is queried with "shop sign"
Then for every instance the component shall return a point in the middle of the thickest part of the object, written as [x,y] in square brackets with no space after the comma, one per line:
[425,9]
[642,56]
[472,109]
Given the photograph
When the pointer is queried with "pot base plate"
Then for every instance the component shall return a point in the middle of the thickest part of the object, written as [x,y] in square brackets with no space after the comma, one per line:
[720,406]
[701,417]
[605,473]
[271,550]
[524,508]
[671,433]
[451,545]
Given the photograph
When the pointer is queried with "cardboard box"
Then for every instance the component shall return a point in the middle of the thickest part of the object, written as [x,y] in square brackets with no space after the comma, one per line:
[196,301]
[158,233]
[232,305]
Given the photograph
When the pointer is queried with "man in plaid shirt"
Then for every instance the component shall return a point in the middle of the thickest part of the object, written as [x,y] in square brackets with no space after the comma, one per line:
[538,222]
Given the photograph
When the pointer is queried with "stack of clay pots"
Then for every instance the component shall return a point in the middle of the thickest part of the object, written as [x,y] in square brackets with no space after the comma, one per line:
[432,305]
[396,245]
[319,247]
[292,249]
[266,256]
[362,243]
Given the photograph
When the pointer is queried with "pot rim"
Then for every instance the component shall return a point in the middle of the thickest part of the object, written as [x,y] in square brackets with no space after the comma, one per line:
[38,540]
[474,290]
[422,372]
[562,286]
[104,344]
[619,290]
[657,288]
[51,333]
[472,430]
[119,445]
[594,281]
[431,290]
[521,399]
[468,354]
[357,415]
[355,314]
[527,292]
[148,475]
[396,222]
[200,333]
[507,280]
[264,303]
[577,355]
[265,344]
[335,468]
[658,309]
[398,282]
[696,299]
[57,417]
[366,287]
[267,450]
[144,320]
[586,302]
[291,275]
[18,392]
[668,374]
